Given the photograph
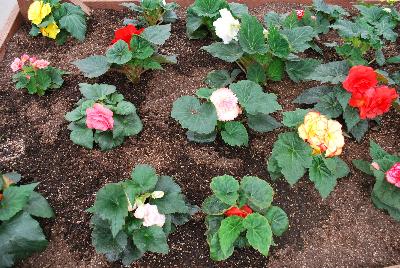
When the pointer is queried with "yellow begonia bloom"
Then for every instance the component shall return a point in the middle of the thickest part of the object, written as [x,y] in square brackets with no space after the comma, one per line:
[38,11]
[50,31]
[323,134]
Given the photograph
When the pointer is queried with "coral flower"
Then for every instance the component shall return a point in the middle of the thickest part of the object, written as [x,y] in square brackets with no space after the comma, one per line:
[50,30]
[38,11]
[360,79]
[226,104]
[126,33]
[242,212]
[226,27]
[99,117]
[323,135]
[393,175]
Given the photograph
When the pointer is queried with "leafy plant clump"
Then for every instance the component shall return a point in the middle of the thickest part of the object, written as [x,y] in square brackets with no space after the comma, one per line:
[137,215]
[314,147]
[134,51]
[225,110]
[57,20]
[20,233]
[36,75]
[370,31]
[359,94]
[152,12]
[263,54]
[102,116]
[241,215]
[385,168]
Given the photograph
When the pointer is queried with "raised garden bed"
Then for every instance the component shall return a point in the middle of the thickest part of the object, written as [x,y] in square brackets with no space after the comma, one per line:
[344,230]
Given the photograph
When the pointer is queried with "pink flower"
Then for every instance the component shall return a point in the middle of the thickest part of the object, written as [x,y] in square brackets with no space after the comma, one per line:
[99,117]
[28,76]
[393,175]
[40,64]
[25,58]
[17,64]
[32,59]
[375,165]
[299,13]
[226,104]
[150,215]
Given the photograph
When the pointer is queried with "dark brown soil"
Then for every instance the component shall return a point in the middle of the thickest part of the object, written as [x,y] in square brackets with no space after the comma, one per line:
[345,230]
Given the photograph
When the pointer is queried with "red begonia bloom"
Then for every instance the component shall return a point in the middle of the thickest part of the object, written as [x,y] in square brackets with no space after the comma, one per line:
[360,79]
[126,33]
[241,212]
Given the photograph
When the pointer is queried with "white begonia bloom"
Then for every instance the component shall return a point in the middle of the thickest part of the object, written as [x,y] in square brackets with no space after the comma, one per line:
[265,33]
[226,104]
[387,10]
[157,194]
[164,2]
[226,27]
[150,215]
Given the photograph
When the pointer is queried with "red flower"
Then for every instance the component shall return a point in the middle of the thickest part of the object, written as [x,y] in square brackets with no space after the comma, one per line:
[126,33]
[242,212]
[393,175]
[374,101]
[360,79]
[300,14]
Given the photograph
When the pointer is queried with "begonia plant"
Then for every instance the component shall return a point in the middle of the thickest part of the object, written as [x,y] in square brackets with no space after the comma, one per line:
[241,215]
[20,233]
[36,75]
[134,51]
[136,216]
[358,94]
[225,109]
[385,168]
[57,20]
[102,116]
[152,12]
[314,146]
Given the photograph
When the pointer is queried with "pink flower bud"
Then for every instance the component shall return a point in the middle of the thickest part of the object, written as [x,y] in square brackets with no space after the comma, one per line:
[375,165]
[25,58]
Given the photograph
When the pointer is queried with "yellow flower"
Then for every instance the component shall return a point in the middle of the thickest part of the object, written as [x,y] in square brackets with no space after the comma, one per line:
[50,31]
[323,134]
[38,11]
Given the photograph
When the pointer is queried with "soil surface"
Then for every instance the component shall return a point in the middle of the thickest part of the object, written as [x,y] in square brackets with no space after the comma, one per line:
[344,230]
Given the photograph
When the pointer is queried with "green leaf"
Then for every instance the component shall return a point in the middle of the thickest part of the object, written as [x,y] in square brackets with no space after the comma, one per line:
[141,48]
[82,136]
[194,24]
[201,138]
[229,231]
[96,91]
[276,69]
[226,189]
[299,70]
[199,118]
[387,194]
[293,156]
[332,10]
[256,73]
[278,44]
[38,206]
[262,123]
[106,140]
[151,239]
[93,66]
[380,58]
[377,153]
[229,53]
[329,105]
[253,99]
[251,37]
[74,21]
[235,134]
[216,252]
[259,233]
[238,10]
[333,72]
[111,204]
[294,118]
[359,130]
[364,166]
[313,95]
[14,200]
[393,60]
[119,53]
[273,19]
[125,108]
[299,37]
[278,220]
[351,117]
[205,93]
[208,8]
[21,236]
[145,177]
[212,205]
[258,193]
[157,34]
[385,27]
[220,78]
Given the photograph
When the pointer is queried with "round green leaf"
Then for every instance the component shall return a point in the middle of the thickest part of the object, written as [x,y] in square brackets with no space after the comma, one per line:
[259,193]
[278,220]
[225,188]
[235,134]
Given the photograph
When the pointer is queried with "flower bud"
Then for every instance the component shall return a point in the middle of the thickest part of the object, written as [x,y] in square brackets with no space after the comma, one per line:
[157,194]
[375,165]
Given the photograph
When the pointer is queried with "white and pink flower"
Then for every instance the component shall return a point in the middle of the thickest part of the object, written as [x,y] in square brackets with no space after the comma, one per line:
[150,215]
[226,104]
[40,64]
[17,64]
